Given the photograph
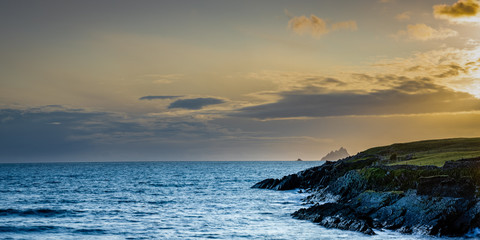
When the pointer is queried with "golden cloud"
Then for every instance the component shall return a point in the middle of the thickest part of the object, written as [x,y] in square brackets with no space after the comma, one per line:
[316,26]
[423,32]
[313,25]
[462,8]
[458,69]
[460,12]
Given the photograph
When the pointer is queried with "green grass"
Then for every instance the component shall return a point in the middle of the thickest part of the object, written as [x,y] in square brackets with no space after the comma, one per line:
[439,158]
[381,180]
[429,152]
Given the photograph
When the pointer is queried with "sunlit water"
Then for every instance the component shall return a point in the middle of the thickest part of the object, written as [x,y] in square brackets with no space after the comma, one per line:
[155,200]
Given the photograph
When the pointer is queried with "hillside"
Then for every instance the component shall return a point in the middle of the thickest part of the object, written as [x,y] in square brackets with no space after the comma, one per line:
[422,153]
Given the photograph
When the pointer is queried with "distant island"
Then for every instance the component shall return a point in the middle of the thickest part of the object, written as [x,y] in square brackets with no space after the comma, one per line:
[336,155]
[426,187]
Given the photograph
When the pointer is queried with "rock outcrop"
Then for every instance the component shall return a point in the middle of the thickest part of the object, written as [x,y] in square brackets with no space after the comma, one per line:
[368,195]
[286,183]
[446,186]
[335,215]
[336,155]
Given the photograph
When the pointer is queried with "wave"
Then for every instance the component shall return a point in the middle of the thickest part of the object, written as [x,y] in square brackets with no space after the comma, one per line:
[172,185]
[40,212]
[90,231]
[16,229]
[160,202]
[127,201]
[48,228]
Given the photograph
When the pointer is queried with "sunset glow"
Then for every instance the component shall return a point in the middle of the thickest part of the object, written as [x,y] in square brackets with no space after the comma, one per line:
[233,80]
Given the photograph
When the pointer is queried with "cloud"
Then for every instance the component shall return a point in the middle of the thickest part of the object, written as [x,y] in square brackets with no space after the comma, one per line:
[460,9]
[286,81]
[316,26]
[334,81]
[403,16]
[409,96]
[43,131]
[158,97]
[423,32]
[63,134]
[434,62]
[451,70]
[451,67]
[313,25]
[195,103]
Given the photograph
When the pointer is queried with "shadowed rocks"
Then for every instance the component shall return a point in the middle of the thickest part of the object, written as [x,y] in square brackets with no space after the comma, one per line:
[286,183]
[430,200]
[446,186]
[334,215]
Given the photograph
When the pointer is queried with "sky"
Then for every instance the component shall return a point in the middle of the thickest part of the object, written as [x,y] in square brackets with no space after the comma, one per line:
[233,80]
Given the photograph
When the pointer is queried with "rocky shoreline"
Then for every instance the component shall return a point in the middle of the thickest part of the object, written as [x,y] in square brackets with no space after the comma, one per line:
[361,193]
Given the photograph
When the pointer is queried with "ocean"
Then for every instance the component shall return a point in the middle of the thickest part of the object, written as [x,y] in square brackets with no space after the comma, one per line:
[156,200]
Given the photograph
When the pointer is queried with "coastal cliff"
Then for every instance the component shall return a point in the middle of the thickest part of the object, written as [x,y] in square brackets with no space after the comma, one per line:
[428,187]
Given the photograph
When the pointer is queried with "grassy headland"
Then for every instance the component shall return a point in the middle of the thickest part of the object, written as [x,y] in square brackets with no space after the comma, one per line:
[421,153]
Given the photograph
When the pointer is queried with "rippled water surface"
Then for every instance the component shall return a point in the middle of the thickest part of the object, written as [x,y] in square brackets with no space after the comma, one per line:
[155,200]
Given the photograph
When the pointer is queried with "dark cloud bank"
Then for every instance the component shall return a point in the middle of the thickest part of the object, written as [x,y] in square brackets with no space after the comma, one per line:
[195,103]
[34,133]
[44,134]
[408,97]
[189,103]
[158,97]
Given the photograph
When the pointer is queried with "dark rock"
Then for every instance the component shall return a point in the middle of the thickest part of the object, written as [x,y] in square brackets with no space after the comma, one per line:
[469,219]
[267,183]
[426,215]
[368,202]
[335,215]
[472,163]
[321,196]
[288,183]
[316,177]
[303,179]
[446,186]
[348,186]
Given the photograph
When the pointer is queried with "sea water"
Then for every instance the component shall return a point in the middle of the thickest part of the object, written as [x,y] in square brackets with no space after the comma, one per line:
[156,200]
